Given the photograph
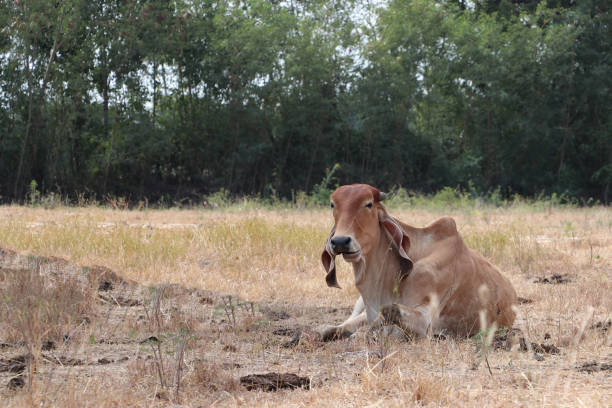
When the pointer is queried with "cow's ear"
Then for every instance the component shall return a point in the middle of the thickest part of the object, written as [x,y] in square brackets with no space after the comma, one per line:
[329,263]
[400,240]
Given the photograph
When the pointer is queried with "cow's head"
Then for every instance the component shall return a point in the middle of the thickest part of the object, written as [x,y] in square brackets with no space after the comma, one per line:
[360,222]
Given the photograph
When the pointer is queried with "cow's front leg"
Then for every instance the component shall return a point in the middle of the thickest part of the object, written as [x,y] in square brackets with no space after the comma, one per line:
[413,320]
[346,329]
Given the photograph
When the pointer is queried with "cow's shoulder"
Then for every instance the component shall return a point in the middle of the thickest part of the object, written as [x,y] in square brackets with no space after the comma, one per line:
[442,228]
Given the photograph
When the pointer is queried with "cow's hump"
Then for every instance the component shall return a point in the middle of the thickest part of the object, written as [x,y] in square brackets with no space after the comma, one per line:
[443,228]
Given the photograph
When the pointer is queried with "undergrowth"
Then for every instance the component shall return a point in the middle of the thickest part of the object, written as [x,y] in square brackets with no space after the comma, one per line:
[447,198]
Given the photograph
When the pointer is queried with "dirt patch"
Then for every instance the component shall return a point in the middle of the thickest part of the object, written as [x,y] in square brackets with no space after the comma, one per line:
[118,342]
[306,337]
[542,348]
[63,360]
[104,360]
[107,278]
[274,381]
[230,348]
[603,327]
[15,383]
[15,364]
[504,340]
[19,363]
[594,367]
[108,360]
[105,286]
[206,300]
[7,252]
[121,301]
[555,278]
[539,348]
[286,331]
[276,314]
[152,339]
[295,340]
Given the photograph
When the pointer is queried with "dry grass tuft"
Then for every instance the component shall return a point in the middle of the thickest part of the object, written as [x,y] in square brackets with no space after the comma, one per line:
[426,390]
[39,313]
[209,376]
[35,309]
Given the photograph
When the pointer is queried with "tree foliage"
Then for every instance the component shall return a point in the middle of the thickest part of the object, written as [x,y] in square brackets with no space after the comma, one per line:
[179,98]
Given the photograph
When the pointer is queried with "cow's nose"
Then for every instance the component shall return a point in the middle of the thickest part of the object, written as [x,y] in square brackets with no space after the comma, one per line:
[341,243]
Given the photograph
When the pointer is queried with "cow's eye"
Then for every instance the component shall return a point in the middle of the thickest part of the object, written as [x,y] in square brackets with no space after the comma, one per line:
[332,205]
[368,205]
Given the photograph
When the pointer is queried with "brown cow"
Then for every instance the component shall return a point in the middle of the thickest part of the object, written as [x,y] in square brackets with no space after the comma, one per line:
[426,280]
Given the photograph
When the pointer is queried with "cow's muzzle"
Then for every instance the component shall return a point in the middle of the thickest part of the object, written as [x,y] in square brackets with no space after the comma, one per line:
[342,244]
[351,256]
[346,246]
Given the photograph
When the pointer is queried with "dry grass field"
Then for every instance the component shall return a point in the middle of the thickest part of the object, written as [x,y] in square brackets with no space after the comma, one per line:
[102,307]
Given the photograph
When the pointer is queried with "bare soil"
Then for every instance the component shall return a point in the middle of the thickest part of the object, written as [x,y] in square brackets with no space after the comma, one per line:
[131,325]
[174,344]
[555,278]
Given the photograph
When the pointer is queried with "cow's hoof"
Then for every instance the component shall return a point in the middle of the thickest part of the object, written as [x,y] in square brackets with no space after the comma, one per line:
[394,333]
[391,314]
[331,333]
[384,332]
[326,333]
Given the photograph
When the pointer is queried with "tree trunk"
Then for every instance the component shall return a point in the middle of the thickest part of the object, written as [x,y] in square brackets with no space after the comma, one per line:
[106,99]
[17,191]
[17,187]
[154,92]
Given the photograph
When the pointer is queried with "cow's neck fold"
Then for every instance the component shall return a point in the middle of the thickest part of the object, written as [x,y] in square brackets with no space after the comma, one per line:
[376,276]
